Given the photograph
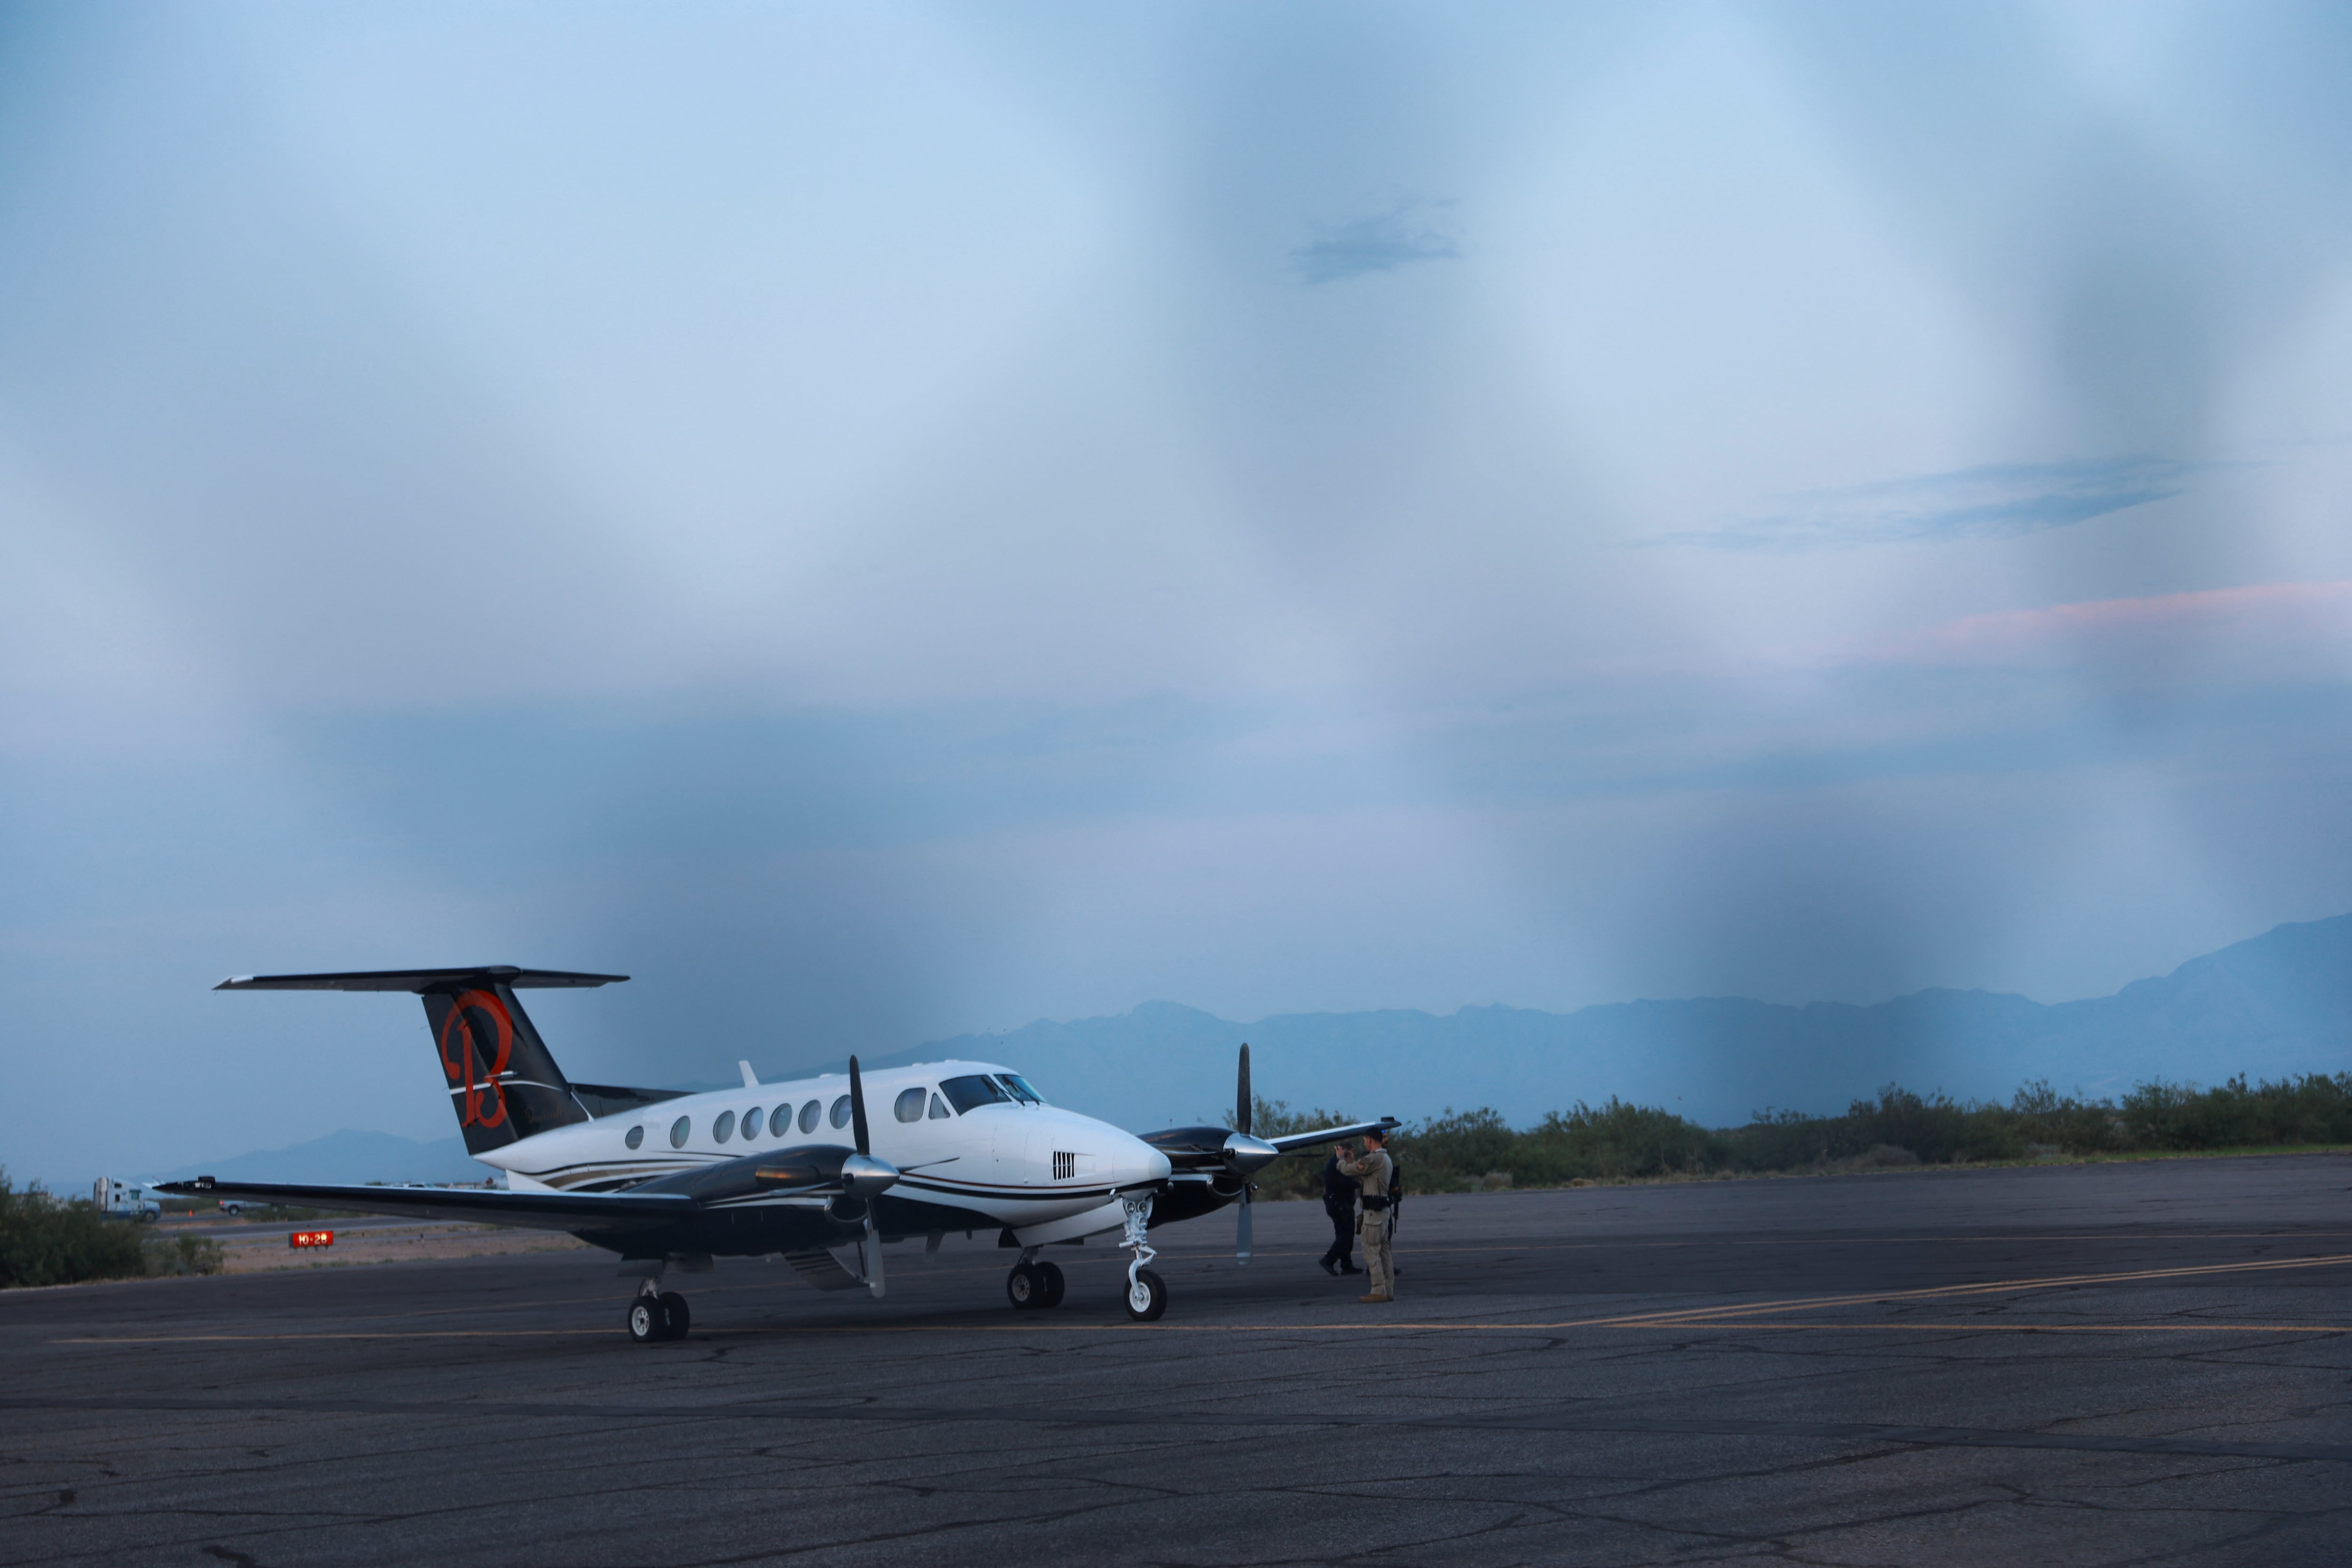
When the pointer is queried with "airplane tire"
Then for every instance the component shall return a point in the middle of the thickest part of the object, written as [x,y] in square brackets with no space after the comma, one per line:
[1025,1287]
[675,1316]
[645,1320]
[1050,1275]
[1148,1297]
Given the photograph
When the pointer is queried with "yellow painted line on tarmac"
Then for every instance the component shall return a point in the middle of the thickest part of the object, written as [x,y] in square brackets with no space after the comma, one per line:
[1695,1316]
[1984,1327]
[345,1333]
[1180,1247]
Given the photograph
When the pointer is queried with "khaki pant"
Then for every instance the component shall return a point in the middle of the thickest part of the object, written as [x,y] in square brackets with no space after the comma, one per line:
[1372,1230]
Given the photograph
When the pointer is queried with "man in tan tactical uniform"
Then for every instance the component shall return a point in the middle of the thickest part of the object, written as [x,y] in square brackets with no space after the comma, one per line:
[1371,1168]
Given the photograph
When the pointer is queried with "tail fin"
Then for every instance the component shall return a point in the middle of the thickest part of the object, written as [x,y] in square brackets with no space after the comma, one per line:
[503,1083]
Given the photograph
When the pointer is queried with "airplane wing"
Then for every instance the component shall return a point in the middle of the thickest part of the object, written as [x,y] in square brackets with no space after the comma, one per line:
[534,1210]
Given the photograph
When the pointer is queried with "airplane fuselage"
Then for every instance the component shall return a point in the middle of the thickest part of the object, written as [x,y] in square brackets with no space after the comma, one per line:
[975,1146]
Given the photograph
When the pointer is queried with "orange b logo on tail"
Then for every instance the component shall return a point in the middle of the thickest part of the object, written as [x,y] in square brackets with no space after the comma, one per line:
[473,1064]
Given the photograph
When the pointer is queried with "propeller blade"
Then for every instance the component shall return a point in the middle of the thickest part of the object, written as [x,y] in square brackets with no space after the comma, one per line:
[1242,1095]
[874,1280]
[1242,1237]
[857,1110]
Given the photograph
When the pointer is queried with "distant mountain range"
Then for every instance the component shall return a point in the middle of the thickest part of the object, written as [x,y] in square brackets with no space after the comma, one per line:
[2279,1004]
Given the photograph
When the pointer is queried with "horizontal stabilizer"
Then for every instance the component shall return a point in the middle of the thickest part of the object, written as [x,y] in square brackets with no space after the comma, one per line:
[416,979]
[534,1210]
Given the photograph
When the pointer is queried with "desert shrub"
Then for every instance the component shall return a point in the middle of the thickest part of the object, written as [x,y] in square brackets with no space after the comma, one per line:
[2314,1109]
[2039,1114]
[1616,1140]
[49,1240]
[1450,1152]
[1786,1140]
[1460,1151]
[184,1255]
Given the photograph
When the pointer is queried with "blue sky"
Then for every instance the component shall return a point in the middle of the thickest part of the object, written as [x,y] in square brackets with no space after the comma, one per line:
[883,521]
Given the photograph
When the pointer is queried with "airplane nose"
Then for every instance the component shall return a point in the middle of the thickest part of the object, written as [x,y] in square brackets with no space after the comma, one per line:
[1142,1162]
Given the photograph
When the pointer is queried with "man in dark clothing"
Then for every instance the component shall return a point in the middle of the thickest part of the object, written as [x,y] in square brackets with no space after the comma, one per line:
[1339,1203]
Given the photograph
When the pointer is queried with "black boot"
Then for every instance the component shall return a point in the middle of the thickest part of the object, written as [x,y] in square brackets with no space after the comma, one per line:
[1328,1269]
[1348,1265]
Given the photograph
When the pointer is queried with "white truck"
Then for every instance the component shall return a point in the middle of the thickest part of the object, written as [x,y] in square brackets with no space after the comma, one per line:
[127,1199]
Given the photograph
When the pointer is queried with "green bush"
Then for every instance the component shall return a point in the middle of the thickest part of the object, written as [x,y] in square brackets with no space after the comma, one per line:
[1454,1151]
[2316,1109]
[49,1240]
[184,1255]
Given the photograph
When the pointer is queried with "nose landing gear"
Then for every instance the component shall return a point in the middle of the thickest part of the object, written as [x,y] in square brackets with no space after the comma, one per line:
[1146,1293]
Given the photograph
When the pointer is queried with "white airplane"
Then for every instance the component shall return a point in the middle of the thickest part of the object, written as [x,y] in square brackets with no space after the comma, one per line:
[672,1180]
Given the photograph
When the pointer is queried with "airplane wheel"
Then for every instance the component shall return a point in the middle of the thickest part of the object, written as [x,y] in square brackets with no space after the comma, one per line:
[645,1320]
[675,1317]
[1050,1276]
[1148,1297]
[1025,1287]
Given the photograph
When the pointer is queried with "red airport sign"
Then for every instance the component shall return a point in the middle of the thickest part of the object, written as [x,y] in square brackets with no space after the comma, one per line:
[310,1238]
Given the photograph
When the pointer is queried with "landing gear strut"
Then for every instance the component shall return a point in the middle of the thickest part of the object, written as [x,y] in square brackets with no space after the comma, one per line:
[1146,1293]
[657,1314]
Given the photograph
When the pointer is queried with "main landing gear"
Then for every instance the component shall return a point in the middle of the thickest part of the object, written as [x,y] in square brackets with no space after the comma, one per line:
[1034,1286]
[658,1314]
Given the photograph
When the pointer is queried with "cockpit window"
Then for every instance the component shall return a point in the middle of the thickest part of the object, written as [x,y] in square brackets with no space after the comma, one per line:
[1020,1087]
[972,1093]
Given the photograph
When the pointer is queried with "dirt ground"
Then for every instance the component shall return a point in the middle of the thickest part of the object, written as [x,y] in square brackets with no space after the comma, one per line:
[402,1244]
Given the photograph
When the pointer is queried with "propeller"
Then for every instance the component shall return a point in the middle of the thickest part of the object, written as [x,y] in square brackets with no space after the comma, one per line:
[863,1176]
[1246,1153]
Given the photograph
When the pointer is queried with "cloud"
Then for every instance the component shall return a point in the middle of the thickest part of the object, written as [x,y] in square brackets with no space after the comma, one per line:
[2000,501]
[2291,625]
[1383,243]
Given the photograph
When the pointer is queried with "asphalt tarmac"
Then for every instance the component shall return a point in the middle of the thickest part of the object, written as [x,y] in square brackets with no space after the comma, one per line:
[2105,1365]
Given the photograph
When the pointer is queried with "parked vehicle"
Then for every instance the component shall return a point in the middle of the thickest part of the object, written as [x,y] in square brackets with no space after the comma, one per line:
[126,1198]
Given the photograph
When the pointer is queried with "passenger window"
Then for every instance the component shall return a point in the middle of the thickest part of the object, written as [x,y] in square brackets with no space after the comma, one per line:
[724,1128]
[939,1112]
[679,1130]
[841,1111]
[751,1123]
[636,1137]
[809,1113]
[909,1107]
[782,1122]
[972,1093]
